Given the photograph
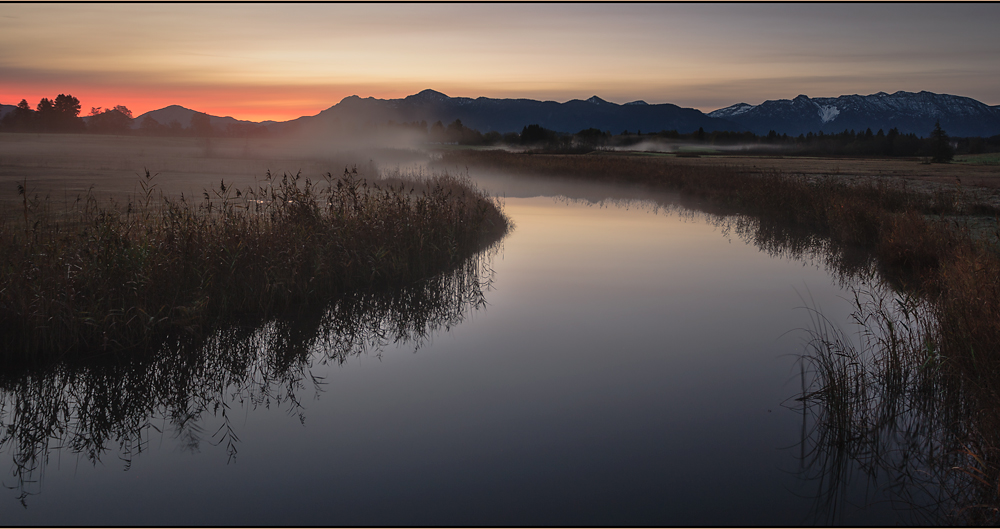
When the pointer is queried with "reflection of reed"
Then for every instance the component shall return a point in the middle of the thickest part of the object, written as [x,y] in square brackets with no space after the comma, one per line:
[782,240]
[878,408]
[889,418]
[889,411]
[887,414]
[91,407]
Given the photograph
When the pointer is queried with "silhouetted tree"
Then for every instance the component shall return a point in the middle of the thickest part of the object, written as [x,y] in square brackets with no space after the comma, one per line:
[941,151]
[534,134]
[201,125]
[174,128]
[61,115]
[21,119]
[590,137]
[437,132]
[454,131]
[459,133]
[150,127]
[67,108]
[116,120]
[45,115]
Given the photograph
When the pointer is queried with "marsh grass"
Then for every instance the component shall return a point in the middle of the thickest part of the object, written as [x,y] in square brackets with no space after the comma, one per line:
[888,405]
[123,276]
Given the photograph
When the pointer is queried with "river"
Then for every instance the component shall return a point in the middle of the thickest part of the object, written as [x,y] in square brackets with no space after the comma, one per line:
[622,360]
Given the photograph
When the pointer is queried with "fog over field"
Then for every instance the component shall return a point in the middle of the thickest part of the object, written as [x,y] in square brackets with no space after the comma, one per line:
[65,166]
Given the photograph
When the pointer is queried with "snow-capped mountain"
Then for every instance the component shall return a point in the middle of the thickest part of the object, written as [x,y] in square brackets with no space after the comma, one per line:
[907,111]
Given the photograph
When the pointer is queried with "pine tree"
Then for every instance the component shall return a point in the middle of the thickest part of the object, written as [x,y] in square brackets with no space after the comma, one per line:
[940,145]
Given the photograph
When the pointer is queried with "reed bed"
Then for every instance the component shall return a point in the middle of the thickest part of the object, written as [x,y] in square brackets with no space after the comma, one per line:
[889,401]
[107,277]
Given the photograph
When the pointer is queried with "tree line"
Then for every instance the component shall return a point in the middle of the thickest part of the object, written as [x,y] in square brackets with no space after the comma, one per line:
[62,115]
[58,115]
[938,145]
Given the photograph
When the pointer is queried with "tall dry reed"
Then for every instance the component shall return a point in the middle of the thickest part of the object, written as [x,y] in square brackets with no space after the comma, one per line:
[111,277]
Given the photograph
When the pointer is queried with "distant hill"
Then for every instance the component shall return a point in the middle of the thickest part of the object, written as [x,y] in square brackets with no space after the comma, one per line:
[908,111]
[6,109]
[511,115]
[183,116]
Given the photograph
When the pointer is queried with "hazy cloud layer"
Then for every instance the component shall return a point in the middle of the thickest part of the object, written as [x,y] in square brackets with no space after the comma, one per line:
[287,60]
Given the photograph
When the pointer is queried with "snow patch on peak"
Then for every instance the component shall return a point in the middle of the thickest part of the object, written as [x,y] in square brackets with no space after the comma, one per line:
[596,100]
[637,102]
[827,113]
[733,110]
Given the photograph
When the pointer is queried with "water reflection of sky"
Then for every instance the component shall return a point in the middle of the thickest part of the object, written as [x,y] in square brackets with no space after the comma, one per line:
[630,368]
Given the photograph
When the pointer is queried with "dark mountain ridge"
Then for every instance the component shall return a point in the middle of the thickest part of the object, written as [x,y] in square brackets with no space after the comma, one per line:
[511,115]
[907,111]
[183,115]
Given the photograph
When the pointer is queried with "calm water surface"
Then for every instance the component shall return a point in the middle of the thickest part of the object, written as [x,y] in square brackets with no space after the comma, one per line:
[630,365]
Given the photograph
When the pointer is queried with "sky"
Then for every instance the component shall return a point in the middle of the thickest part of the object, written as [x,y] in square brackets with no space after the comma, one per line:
[281,61]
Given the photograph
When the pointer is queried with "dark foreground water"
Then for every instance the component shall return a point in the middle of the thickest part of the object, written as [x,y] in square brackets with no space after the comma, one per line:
[609,363]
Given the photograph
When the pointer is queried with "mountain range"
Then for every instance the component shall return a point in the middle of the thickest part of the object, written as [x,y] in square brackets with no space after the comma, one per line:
[511,115]
[908,112]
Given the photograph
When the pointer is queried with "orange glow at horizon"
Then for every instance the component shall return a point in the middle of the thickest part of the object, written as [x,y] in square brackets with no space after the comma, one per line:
[243,103]
[278,62]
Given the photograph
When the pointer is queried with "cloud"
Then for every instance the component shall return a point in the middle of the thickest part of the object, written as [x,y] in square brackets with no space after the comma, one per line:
[314,54]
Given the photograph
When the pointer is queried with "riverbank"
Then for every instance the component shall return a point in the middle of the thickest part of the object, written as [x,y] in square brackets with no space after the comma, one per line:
[99,276]
[921,241]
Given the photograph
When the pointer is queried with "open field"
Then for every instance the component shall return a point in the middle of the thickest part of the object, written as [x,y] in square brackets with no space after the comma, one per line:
[242,243]
[64,166]
[980,175]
